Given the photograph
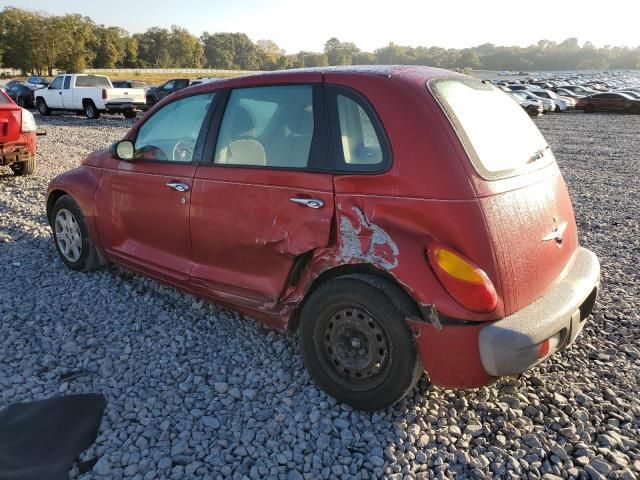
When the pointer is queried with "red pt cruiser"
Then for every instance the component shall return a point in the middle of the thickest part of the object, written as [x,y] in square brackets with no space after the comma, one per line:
[401,219]
[17,137]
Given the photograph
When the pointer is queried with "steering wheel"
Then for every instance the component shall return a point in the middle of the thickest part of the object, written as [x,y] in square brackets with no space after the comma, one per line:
[183,150]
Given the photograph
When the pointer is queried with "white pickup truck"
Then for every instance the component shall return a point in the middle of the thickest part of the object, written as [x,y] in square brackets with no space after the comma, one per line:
[90,94]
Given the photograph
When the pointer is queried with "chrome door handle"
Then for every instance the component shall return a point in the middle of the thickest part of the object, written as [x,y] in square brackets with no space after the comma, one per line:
[178,186]
[308,202]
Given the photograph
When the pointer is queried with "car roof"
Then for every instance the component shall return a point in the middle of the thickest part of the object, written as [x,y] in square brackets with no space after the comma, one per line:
[404,73]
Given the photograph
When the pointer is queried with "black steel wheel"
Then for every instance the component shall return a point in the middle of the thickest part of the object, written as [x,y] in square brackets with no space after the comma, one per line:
[356,343]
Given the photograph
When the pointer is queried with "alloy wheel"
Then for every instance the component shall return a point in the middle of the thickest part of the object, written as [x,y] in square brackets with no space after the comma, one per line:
[68,235]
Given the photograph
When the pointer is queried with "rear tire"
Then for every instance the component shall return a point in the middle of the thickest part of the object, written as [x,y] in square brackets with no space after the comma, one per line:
[90,110]
[634,110]
[42,107]
[130,115]
[27,167]
[356,343]
[71,236]
[589,108]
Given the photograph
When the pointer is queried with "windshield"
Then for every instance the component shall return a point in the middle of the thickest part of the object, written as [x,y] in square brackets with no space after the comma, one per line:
[500,137]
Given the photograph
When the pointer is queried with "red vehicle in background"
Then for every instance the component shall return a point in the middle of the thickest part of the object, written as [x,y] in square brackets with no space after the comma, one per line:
[401,219]
[17,137]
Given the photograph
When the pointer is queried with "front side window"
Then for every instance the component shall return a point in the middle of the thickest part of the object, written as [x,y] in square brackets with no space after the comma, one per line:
[500,137]
[57,83]
[267,126]
[168,85]
[171,133]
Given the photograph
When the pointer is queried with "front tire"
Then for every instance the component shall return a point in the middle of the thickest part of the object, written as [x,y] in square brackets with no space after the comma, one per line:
[356,343]
[27,167]
[71,236]
[589,108]
[90,110]
[42,107]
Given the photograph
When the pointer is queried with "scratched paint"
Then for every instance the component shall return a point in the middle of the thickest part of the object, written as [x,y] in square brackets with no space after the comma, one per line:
[382,251]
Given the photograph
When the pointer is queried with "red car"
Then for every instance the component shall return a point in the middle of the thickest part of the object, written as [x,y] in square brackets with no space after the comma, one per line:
[609,102]
[17,137]
[401,219]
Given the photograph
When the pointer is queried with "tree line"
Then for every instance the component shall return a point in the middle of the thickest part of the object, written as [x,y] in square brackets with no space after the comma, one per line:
[38,43]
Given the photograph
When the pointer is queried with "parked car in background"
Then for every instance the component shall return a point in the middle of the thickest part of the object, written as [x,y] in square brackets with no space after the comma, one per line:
[37,80]
[90,94]
[580,90]
[563,92]
[532,107]
[390,252]
[609,102]
[562,104]
[155,94]
[17,137]
[22,94]
[130,84]
[11,83]
[631,93]
[548,104]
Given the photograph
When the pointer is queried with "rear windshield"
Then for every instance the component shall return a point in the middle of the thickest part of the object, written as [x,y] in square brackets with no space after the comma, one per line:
[92,81]
[498,134]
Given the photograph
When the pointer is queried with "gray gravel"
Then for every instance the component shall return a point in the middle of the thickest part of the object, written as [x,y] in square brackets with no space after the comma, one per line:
[196,391]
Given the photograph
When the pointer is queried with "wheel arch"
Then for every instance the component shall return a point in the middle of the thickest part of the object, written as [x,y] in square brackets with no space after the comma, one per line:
[52,198]
[364,269]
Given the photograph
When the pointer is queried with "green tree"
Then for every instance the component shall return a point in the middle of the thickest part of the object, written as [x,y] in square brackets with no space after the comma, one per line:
[230,51]
[153,48]
[111,46]
[340,53]
[185,50]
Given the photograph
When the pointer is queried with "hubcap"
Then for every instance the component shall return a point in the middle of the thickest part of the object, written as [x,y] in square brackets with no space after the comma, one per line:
[68,235]
[356,344]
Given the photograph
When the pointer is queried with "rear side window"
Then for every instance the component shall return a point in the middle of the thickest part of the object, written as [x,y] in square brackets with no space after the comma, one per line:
[267,126]
[67,82]
[498,135]
[92,81]
[358,137]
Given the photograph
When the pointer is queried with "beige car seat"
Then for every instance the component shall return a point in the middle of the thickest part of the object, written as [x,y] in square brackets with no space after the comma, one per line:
[239,148]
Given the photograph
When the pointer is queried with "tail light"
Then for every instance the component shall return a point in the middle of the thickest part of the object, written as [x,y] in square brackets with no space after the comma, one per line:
[104,93]
[466,283]
[28,123]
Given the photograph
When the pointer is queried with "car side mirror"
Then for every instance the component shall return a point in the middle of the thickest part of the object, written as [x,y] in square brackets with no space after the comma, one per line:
[123,150]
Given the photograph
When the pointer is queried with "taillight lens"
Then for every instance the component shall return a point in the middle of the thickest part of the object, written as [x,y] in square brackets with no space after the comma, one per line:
[466,283]
[104,93]
[28,122]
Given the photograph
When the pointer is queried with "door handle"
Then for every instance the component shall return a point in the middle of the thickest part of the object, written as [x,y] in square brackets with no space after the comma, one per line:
[308,202]
[178,186]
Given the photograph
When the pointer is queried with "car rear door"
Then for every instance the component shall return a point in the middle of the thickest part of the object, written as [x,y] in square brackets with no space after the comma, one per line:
[142,206]
[265,200]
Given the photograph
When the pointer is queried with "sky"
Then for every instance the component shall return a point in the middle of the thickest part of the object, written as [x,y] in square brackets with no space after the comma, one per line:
[306,25]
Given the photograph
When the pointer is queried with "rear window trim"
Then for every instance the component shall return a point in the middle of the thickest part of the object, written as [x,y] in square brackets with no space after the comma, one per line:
[466,144]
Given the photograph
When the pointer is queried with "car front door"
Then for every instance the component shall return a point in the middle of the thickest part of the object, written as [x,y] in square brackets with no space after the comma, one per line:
[67,94]
[266,199]
[142,206]
[53,94]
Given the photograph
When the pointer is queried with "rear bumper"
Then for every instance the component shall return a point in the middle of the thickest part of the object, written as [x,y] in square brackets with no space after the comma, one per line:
[124,106]
[461,354]
[527,337]
[19,150]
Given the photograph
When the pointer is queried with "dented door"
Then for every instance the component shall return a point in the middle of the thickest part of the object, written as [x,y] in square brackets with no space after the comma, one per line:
[248,227]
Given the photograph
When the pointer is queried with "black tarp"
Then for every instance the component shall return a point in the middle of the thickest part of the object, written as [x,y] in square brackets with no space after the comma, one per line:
[40,440]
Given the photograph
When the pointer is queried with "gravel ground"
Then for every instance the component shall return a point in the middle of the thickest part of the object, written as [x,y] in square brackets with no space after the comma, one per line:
[195,391]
